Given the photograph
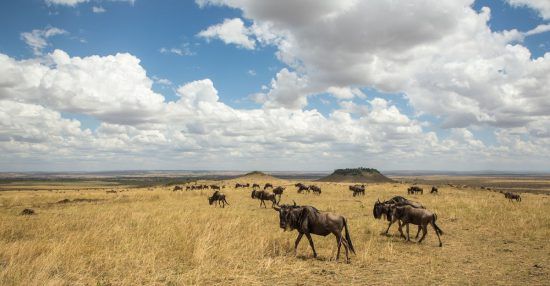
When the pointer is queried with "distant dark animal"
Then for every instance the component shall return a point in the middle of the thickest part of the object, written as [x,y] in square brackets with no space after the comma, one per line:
[27,212]
[308,220]
[414,189]
[177,188]
[215,187]
[187,188]
[434,190]
[218,197]
[301,188]
[111,192]
[264,196]
[421,217]
[384,208]
[241,185]
[255,186]
[357,190]
[315,189]
[268,185]
[278,191]
[511,196]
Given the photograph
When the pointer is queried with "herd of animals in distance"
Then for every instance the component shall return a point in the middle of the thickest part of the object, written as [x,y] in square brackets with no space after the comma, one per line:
[308,220]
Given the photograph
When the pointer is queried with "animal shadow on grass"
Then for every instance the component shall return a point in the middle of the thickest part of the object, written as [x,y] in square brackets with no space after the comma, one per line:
[310,257]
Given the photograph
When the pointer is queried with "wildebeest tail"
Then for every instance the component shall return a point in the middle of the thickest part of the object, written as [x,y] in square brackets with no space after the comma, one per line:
[435,225]
[348,238]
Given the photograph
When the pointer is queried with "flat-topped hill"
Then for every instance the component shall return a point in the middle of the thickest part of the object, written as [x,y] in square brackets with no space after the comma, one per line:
[356,175]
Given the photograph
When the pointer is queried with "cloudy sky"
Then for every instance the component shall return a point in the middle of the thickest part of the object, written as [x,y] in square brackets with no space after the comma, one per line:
[274,85]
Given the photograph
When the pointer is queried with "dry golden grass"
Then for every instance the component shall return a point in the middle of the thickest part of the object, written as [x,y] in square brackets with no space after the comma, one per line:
[160,237]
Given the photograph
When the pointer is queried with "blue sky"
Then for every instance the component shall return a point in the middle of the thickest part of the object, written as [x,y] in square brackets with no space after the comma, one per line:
[151,31]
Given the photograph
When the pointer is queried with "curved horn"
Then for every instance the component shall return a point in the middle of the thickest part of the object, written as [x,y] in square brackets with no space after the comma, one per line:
[294,202]
[276,208]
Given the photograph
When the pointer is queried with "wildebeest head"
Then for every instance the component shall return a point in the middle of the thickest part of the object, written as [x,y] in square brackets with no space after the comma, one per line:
[210,200]
[379,209]
[289,216]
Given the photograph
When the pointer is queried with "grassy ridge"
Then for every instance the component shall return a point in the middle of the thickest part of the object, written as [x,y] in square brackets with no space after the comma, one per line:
[173,238]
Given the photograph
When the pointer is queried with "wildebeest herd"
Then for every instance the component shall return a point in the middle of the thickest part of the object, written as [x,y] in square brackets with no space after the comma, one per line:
[309,220]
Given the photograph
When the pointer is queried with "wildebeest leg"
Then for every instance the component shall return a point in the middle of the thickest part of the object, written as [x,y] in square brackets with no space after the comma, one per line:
[297,242]
[391,222]
[424,232]
[437,230]
[417,233]
[407,226]
[311,244]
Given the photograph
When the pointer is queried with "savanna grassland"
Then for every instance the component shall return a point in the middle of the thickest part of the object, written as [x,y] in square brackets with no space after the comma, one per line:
[154,236]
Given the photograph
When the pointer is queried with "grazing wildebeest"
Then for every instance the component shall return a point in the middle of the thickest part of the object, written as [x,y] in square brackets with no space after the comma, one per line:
[219,197]
[384,208]
[301,187]
[255,186]
[215,187]
[511,196]
[278,191]
[434,190]
[315,189]
[357,190]
[177,188]
[241,185]
[308,220]
[414,190]
[421,217]
[268,185]
[264,196]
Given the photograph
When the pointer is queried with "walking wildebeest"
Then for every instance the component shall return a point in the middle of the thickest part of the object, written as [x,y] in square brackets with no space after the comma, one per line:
[264,196]
[434,190]
[268,185]
[301,187]
[421,217]
[308,220]
[511,196]
[414,189]
[357,190]
[219,197]
[177,188]
[315,189]
[255,186]
[384,208]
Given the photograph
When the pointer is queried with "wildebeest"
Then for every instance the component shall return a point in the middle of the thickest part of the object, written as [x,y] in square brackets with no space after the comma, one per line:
[357,190]
[315,189]
[264,196]
[237,185]
[407,214]
[511,196]
[177,188]
[278,191]
[215,187]
[308,220]
[384,208]
[268,185]
[414,189]
[219,197]
[255,186]
[434,190]
[110,192]
[301,188]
